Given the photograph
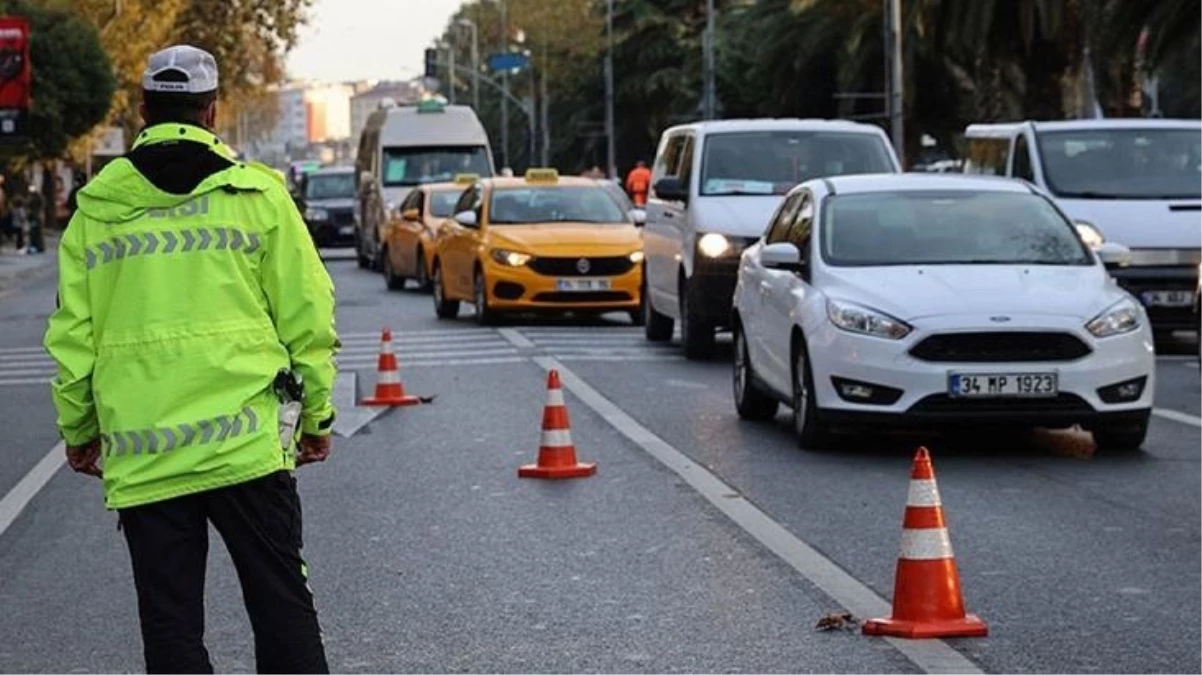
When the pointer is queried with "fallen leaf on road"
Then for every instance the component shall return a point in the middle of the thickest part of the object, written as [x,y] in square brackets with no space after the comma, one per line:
[837,621]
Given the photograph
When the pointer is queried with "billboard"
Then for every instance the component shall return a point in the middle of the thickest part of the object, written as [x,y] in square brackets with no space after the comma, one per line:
[15,77]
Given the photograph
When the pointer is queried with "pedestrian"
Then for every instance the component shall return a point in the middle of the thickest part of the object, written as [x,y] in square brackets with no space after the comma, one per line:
[195,333]
[638,183]
[18,222]
[34,215]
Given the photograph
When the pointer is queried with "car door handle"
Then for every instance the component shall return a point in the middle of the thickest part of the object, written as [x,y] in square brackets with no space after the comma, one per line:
[669,214]
[765,287]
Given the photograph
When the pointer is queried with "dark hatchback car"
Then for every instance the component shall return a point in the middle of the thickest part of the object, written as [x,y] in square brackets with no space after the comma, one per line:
[327,201]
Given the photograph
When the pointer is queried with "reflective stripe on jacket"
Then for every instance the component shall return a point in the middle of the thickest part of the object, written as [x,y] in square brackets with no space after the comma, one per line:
[175,313]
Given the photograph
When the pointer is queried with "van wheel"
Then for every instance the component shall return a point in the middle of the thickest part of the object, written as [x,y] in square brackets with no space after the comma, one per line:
[656,326]
[391,280]
[443,308]
[750,402]
[697,334]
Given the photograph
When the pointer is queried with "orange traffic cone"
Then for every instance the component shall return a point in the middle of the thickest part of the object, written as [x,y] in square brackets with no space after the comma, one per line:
[556,453]
[926,593]
[389,390]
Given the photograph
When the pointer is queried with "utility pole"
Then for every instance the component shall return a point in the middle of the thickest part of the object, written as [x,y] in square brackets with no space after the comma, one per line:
[709,93]
[895,77]
[546,116]
[451,72]
[475,61]
[505,87]
[611,161]
[532,114]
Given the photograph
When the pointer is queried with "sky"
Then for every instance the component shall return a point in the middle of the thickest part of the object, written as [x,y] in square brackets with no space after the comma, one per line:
[368,39]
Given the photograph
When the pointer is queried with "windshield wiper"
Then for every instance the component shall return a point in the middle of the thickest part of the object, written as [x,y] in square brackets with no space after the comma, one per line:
[738,193]
[1092,194]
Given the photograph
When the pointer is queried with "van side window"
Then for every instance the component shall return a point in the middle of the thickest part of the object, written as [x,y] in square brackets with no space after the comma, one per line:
[778,231]
[668,162]
[987,156]
[685,168]
[1022,160]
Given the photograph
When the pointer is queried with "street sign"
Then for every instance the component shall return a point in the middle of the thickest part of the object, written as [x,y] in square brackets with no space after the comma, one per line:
[507,61]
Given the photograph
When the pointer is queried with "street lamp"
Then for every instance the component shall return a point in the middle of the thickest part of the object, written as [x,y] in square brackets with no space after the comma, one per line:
[475,61]
[611,162]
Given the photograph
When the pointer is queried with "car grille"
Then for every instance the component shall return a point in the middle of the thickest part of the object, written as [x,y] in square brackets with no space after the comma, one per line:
[342,217]
[943,404]
[567,297]
[999,347]
[568,267]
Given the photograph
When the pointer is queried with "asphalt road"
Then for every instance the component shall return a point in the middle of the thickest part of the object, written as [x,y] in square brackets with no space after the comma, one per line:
[703,544]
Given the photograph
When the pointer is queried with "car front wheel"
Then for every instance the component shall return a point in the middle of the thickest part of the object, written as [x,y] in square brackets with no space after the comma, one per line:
[813,432]
[750,402]
[391,280]
[485,316]
[443,308]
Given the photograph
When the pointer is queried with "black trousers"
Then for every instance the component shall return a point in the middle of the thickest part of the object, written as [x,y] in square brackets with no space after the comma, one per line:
[260,522]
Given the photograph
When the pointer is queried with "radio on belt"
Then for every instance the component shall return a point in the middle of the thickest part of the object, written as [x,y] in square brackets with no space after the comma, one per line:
[290,388]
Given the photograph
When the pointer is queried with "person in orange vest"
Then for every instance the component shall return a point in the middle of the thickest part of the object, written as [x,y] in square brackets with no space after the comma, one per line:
[638,183]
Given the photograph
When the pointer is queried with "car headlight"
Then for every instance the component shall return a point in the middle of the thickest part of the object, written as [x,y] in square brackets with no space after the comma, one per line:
[855,318]
[313,213]
[1121,317]
[637,257]
[510,258]
[713,245]
[1089,234]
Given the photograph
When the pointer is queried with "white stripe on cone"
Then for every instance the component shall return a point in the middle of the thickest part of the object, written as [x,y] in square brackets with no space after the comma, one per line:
[557,438]
[555,398]
[926,544]
[923,492]
[386,346]
[389,377]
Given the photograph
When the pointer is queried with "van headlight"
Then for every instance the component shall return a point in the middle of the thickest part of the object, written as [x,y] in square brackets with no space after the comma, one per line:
[1089,234]
[713,245]
[313,213]
[855,318]
[510,258]
[1121,317]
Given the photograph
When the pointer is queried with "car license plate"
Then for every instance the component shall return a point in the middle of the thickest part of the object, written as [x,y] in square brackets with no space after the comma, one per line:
[582,284]
[1002,385]
[346,230]
[1168,298]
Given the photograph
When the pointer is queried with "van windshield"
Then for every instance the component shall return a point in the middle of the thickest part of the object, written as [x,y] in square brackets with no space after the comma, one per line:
[1123,163]
[419,165]
[772,162]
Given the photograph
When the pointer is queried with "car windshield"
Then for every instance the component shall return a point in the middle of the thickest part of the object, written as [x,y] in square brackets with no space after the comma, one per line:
[330,186]
[442,203]
[419,165]
[1123,163]
[554,204]
[772,162]
[947,228]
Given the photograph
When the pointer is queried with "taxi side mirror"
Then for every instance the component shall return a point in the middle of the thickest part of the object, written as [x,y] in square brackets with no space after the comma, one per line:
[639,216]
[467,219]
[411,215]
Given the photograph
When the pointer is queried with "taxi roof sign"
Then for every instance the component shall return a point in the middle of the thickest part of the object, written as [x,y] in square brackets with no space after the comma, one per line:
[466,178]
[545,176]
[431,105]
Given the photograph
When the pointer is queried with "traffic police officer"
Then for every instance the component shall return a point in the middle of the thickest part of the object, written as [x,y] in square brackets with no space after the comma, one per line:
[193,308]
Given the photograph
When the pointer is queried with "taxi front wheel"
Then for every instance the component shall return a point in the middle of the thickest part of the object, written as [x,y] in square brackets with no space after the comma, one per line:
[484,315]
[443,308]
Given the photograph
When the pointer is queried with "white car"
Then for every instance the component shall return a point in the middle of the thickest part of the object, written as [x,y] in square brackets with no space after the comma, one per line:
[925,300]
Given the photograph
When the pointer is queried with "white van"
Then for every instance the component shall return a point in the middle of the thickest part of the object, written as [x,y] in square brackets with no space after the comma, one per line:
[405,146]
[714,187]
[1135,182]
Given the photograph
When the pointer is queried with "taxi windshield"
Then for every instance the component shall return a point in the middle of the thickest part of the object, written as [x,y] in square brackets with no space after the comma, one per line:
[442,203]
[421,165]
[554,204]
[330,186]
[772,162]
[947,228]
[1123,163]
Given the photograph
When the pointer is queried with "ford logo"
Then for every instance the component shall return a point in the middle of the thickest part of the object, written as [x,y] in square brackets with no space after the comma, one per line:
[999,319]
[583,266]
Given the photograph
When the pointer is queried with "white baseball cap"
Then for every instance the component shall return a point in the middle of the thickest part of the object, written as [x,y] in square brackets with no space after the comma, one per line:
[181,69]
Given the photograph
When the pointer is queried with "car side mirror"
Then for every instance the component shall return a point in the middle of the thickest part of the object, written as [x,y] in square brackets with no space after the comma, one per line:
[672,189]
[411,215]
[467,219]
[639,216]
[784,256]
[1114,255]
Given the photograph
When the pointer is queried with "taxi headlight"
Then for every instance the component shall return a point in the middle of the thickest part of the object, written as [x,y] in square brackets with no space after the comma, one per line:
[313,213]
[1089,234]
[713,245]
[1121,317]
[637,257]
[510,258]
[855,318]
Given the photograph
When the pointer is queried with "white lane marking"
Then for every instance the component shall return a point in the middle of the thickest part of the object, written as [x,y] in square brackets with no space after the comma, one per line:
[447,362]
[407,357]
[425,339]
[399,334]
[933,656]
[29,371]
[401,350]
[23,492]
[515,338]
[25,382]
[26,359]
[620,357]
[23,350]
[1183,418]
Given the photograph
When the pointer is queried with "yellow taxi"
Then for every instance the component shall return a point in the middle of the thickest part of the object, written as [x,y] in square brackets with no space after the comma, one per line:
[540,243]
[409,235]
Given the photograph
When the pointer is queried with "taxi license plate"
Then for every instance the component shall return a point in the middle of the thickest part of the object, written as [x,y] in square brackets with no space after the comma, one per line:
[346,230]
[582,284]
[1002,385]
[1168,298]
